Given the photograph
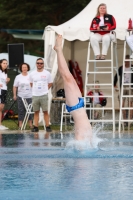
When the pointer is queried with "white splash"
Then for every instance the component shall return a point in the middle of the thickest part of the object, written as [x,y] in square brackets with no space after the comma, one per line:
[87,144]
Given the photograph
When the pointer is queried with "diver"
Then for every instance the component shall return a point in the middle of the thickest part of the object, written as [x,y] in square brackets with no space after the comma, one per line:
[74,100]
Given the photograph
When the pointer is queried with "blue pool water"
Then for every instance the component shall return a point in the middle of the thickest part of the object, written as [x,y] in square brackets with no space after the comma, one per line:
[39,167]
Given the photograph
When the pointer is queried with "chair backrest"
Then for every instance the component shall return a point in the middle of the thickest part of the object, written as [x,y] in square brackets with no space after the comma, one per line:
[64,108]
[25,103]
[27,106]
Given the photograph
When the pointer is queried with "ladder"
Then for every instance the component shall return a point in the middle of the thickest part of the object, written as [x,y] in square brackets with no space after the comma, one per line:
[127,86]
[95,71]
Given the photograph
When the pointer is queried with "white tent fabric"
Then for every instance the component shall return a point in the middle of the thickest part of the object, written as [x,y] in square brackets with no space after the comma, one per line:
[76,35]
[78,26]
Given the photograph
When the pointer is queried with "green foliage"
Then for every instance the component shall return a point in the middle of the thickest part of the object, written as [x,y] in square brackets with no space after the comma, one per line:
[33,14]
[38,14]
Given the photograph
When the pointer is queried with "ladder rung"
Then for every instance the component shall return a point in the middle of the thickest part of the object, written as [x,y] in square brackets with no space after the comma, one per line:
[100,120]
[100,88]
[125,96]
[103,67]
[99,72]
[104,84]
[127,108]
[95,96]
[99,60]
[131,72]
[126,120]
[128,59]
[128,84]
[93,108]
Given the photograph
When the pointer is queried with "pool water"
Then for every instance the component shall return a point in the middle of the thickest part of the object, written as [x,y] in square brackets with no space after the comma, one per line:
[43,166]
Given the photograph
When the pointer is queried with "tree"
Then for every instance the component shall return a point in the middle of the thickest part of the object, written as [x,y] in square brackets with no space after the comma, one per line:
[33,14]
[38,14]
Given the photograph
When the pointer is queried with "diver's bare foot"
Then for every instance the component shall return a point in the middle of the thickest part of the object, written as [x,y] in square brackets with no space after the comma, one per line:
[58,43]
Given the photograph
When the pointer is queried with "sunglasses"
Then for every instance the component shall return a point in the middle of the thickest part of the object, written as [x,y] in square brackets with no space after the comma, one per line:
[39,63]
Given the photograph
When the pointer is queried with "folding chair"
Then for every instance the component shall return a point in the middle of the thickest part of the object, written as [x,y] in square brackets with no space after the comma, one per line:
[28,108]
[65,113]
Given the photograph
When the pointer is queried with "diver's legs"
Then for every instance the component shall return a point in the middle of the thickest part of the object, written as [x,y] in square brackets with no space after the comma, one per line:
[71,88]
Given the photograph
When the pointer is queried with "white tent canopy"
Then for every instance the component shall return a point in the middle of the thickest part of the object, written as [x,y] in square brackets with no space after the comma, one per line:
[78,26]
[76,35]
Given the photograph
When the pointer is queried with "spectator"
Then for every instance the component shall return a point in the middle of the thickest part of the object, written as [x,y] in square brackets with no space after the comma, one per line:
[128,78]
[41,82]
[3,88]
[101,26]
[98,98]
[22,89]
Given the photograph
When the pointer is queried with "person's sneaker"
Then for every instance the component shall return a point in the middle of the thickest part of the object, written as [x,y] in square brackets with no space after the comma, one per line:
[131,56]
[3,127]
[48,129]
[34,129]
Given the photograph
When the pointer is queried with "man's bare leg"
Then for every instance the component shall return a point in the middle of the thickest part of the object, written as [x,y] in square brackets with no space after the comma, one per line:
[36,118]
[46,118]
[30,123]
[72,93]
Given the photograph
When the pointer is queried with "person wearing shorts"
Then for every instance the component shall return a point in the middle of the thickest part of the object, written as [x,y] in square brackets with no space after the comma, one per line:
[41,82]
[3,88]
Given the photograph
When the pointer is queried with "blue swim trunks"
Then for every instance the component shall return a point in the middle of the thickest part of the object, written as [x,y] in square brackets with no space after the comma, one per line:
[77,106]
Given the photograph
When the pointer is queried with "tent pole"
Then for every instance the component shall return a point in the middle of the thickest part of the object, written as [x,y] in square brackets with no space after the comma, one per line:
[72,50]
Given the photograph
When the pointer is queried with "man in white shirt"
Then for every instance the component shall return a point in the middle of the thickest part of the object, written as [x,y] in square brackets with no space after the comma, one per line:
[41,82]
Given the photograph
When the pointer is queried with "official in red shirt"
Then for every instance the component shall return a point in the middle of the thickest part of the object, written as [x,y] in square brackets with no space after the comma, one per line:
[100,27]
